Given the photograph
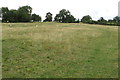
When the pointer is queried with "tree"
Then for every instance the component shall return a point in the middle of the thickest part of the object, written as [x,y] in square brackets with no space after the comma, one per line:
[36,18]
[94,22]
[86,19]
[24,14]
[102,21]
[5,11]
[116,19]
[57,18]
[64,16]
[27,9]
[12,16]
[110,21]
[48,17]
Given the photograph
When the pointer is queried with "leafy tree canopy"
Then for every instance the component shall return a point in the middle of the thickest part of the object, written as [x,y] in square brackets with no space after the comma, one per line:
[64,16]
[36,18]
[86,19]
[48,17]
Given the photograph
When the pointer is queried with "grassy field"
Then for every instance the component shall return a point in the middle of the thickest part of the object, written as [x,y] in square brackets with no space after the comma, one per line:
[59,50]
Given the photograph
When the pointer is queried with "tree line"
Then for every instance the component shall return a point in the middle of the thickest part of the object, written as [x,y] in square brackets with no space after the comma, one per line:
[24,14]
[115,21]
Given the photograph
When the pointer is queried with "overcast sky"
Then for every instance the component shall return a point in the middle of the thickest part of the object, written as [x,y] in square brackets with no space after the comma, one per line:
[79,8]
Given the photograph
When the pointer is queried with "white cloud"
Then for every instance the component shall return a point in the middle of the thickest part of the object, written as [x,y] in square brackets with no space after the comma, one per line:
[79,8]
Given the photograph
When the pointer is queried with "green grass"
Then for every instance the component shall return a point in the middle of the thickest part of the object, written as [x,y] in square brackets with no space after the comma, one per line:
[59,50]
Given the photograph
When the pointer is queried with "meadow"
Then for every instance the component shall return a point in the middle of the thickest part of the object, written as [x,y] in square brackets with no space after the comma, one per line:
[59,50]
